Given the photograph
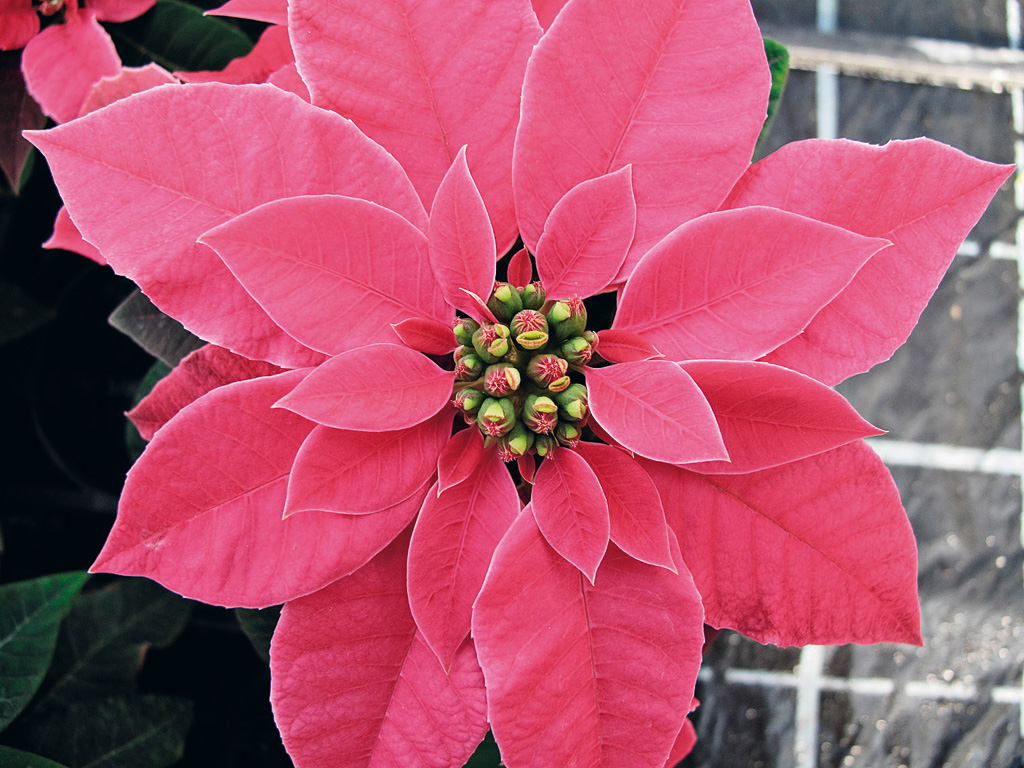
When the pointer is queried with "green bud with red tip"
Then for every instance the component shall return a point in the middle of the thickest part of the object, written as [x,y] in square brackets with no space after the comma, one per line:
[544,444]
[576,351]
[540,414]
[533,295]
[464,329]
[491,342]
[530,329]
[496,416]
[502,379]
[568,434]
[504,301]
[591,338]
[516,443]
[468,400]
[567,318]
[545,369]
[573,403]
[468,366]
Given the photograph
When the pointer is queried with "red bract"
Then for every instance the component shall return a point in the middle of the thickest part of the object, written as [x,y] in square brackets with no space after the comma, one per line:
[693,466]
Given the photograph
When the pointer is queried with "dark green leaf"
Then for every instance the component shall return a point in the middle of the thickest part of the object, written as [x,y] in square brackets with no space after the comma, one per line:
[15,758]
[20,314]
[133,440]
[104,638]
[121,732]
[30,615]
[162,336]
[259,626]
[778,61]
[178,37]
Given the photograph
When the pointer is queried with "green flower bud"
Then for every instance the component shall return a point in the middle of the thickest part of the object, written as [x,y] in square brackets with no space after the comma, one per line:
[516,443]
[573,403]
[496,416]
[533,296]
[501,379]
[468,400]
[504,301]
[547,368]
[468,367]
[567,318]
[489,344]
[576,351]
[568,434]
[465,327]
[591,338]
[560,384]
[544,444]
[540,414]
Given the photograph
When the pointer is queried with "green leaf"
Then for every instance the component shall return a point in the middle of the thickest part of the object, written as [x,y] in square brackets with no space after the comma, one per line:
[778,61]
[259,625]
[178,37]
[30,616]
[15,758]
[121,732]
[20,314]
[133,440]
[105,637]
[162,336]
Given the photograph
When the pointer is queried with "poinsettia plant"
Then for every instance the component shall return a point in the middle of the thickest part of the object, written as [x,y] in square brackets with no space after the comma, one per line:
[486,499]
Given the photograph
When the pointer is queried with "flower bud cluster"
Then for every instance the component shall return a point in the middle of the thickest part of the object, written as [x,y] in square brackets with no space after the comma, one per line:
[514,377]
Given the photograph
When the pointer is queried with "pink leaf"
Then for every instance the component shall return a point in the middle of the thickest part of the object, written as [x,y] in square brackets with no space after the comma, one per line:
[459,458]
[546,10]
[587,235]
[771,415]
[637,518]
[271,52]
[128,81]
[120,10]
[333,271]
[459,237]
[201,510]
[618,346]
[354,684]
[143,202]
[372,388]
[431,337]
[527,466]
[685,742]
[455,535]
[679,91]
[18,111]
[737,284]
[202,371]
[654,408]
[62,63]
[478,308]
[585,675]
[287,79]
[19,23]
[66,235]
[817,551]
[520,270]
[571,510]
[921,195]
[451,77]
[355,473]
[270,11]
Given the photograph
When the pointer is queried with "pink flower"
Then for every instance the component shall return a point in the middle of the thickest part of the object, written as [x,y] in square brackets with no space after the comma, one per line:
[694,466]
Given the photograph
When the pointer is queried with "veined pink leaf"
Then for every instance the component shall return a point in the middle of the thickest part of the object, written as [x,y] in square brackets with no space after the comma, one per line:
[459,458]
[590,676]
[372,388]
[127,81]
[655,409]
[335,272]
[737,284]
[527,466]
[921,195]
[120,10]
[354,684]
[20,23]
[270,11]
[200,372]
[287,79]
[455,535]
[459,237]
[340,470]
[771,415]
[637,518]
[520,270]
[571,510]
[272,51]
[817,551]
[618,346]
[144,202]
[587,235]
[680,91]
[685,742]
[66,235]
[59,88]
[201,510]
[478,308]
[452,77]
[431,337]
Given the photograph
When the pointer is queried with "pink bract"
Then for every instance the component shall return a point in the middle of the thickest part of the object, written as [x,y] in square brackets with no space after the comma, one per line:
[328,449]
